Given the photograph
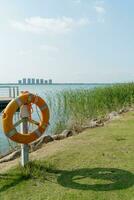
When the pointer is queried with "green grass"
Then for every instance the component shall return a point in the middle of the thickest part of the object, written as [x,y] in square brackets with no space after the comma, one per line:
[97,164]
[75,107]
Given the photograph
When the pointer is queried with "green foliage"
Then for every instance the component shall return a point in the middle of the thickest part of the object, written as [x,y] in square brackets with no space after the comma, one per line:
[97,164]
[76,106]
[35,170]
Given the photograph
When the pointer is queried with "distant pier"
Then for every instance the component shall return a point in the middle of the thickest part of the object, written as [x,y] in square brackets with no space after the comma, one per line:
[7,93]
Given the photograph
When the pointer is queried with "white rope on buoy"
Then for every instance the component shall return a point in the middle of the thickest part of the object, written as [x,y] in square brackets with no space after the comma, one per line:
[24,112]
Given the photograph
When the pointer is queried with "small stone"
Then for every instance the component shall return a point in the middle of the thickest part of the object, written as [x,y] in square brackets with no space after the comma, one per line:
[113,115]
[67,133]
[47,139]
[124,110]
[64,134]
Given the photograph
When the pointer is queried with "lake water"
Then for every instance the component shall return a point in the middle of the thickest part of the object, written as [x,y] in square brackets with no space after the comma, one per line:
[43,91]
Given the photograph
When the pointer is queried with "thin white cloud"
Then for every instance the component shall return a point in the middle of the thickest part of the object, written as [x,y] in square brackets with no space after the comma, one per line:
[100,9]
[49,48]
[49,25]
[100,2]
[77,1]
[44,48]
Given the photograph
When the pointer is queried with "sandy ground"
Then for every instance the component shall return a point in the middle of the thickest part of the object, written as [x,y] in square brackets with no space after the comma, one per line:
[47,150]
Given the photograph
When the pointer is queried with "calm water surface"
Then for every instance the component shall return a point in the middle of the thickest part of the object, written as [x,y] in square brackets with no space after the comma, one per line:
[43,91]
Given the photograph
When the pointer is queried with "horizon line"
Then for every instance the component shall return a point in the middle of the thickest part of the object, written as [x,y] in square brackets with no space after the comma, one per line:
[69,83]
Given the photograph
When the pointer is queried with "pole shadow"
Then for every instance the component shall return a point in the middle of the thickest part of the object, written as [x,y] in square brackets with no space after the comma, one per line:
[10,181]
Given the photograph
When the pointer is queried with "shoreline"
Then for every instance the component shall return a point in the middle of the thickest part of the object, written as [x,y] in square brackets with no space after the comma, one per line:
[49,147]
[94,123]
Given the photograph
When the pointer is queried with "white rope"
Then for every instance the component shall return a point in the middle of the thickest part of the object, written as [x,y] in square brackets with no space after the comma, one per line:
[24,112]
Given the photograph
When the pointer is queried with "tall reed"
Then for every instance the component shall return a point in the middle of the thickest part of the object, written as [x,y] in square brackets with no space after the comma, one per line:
[77,106]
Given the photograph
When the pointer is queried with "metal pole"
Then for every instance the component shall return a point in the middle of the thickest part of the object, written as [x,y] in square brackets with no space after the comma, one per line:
[24,114]
[24,147]
[17,91]
[13,92]
[10,92]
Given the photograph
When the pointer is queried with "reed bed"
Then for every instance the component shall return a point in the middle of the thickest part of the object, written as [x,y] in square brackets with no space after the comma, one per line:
[74,107]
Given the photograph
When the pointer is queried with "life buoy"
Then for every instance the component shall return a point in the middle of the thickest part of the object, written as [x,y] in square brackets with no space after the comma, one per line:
[7,118]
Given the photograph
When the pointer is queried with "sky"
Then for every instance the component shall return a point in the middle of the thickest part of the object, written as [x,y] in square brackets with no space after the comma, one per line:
[67,40]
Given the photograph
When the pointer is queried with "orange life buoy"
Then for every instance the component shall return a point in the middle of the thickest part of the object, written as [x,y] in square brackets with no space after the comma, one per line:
[9,128]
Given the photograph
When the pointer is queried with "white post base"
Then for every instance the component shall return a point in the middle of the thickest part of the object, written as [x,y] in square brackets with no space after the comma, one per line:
[24,154]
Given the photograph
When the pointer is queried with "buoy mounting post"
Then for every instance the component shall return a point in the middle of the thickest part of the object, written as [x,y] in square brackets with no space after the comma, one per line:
[24,130]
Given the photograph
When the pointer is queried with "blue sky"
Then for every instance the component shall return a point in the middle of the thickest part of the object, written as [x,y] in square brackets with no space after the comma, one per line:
[67,40]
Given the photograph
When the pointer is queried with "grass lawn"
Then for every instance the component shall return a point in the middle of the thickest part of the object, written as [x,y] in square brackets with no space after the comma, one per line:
[97,164]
